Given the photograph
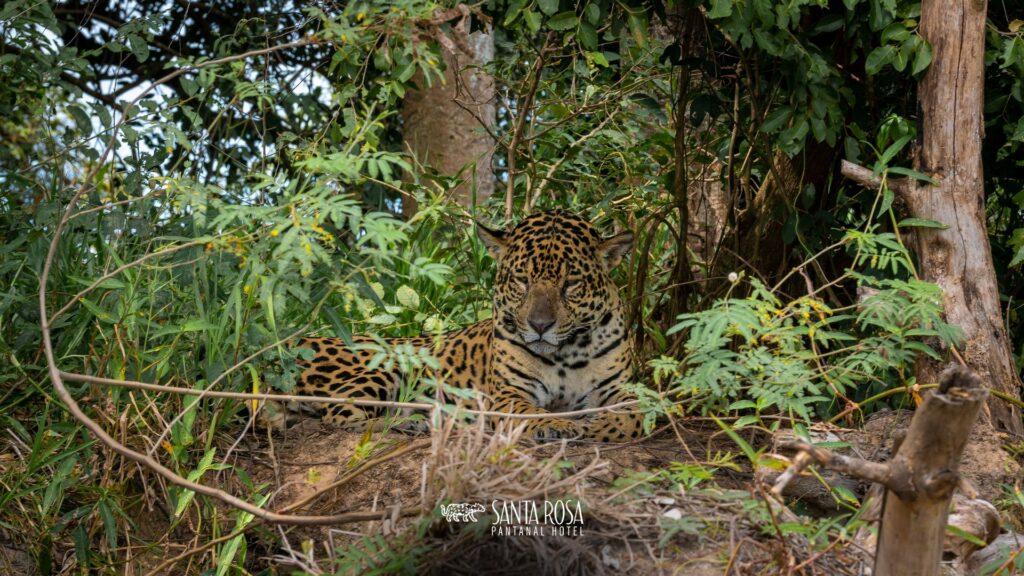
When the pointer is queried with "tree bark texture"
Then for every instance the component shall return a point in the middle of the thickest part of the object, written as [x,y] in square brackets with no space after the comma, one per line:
[448,125]
[709,202]
[760,224]
[686,25]
[922,476]
[959,258]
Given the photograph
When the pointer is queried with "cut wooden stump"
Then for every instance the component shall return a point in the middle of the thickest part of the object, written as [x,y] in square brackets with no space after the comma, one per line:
[920,478]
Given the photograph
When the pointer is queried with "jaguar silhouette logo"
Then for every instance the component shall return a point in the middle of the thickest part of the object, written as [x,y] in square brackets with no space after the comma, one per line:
[461,512]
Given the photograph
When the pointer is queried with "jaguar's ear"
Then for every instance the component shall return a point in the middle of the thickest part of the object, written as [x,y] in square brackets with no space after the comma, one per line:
[614,248]
[494,240]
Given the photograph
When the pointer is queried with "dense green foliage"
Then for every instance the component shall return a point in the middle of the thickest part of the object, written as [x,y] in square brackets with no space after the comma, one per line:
[242,203]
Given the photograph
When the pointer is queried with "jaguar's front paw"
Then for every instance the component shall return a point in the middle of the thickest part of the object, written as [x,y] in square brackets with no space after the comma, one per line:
[273,415]
[555,428]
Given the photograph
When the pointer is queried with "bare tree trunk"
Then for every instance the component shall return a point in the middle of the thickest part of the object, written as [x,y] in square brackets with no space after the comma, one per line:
[685,23]
[708,215]
[449,125]
[958,258]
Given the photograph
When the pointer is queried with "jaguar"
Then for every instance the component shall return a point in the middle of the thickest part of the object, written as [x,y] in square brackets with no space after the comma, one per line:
[556,341]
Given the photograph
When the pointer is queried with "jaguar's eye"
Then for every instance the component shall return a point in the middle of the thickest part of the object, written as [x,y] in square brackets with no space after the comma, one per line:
[521,281]
[571,286]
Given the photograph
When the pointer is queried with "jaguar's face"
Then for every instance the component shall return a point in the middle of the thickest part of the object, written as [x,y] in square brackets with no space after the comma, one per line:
[553,282]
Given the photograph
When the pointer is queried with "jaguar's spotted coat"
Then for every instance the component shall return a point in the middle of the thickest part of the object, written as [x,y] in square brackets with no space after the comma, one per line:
[557,339]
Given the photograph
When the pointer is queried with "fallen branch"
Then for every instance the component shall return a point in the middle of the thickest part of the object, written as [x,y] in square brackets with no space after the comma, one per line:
[207,393]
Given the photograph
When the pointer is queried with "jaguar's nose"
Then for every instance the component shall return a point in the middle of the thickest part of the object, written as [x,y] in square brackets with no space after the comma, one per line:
[541,325]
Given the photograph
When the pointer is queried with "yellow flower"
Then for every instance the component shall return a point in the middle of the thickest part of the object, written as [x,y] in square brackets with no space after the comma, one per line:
[360,16]
[275,232]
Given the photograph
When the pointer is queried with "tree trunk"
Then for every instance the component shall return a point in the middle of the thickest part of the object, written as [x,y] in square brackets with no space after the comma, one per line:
[959,258]
[448,125]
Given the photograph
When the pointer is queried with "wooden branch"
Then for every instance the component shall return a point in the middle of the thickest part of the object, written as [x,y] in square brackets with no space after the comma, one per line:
[523,108]
[866,178]
[810,454]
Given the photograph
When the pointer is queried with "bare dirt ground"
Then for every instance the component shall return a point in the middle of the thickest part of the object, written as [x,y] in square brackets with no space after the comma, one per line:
[638,517]
[682,501]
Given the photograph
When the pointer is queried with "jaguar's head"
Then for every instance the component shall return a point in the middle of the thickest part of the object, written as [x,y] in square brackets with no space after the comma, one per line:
[553,284]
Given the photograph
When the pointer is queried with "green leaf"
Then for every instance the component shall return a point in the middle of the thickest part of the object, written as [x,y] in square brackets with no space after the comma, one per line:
[532,20]
[745,421]
[900,58]
[107,283]
[588,36]
[408,297]
[598,59]
[844,494]
[382,319]
[921,223]
[961,533]
[140,49]
[226,555]
[81,119]
[130,134]
[878,58]
[1018,257]
[887,199]
[104,114]
[895,32]
[548,7]
[109,523]
[98,312]
[194,325]
[367,290]
[911,173]
[514,9]
[189,85]
[777,119]
[638,27]
[81,538]
[720,9]
[593,13]
[829,23]
[893,149]
[340,328]
[563,21]
[752,455]
[922,58]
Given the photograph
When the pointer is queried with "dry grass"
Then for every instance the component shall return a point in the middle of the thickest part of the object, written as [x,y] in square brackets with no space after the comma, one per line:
[632,525]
